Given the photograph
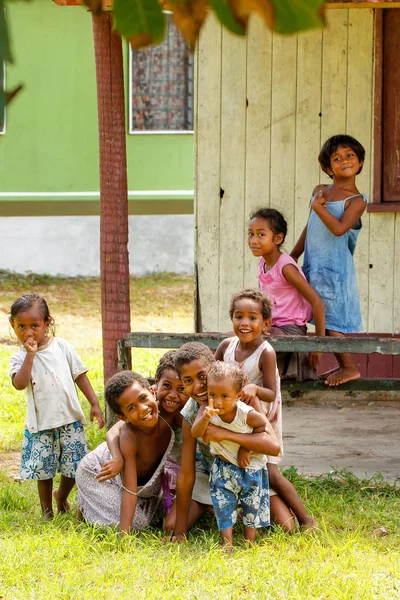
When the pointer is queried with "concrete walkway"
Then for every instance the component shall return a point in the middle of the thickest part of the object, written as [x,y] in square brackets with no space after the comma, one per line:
[361,437]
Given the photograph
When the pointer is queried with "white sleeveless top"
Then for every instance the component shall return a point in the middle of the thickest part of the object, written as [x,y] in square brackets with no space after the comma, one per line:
[229,450]
[272,410]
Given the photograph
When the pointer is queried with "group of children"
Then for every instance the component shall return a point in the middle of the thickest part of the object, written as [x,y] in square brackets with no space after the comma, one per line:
[209,434]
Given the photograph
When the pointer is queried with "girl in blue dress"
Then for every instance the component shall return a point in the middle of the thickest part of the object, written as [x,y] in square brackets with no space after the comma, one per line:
[329,240]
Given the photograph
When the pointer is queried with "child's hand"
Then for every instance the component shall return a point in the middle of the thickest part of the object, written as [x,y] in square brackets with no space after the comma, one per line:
[30,345]
[210,412]
[314,359]
[96,413]
[110,469]
[248,393]
[318,201]
[243,457]
[213,433]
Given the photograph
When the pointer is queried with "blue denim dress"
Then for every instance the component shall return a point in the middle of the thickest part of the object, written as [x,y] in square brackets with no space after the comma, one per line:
[329,269]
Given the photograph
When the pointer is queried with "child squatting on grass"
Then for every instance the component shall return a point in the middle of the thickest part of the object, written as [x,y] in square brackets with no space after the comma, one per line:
[329,241]
[251,313]
[171,398]
[48,368]
[135,499]
[192,362]
[236,475]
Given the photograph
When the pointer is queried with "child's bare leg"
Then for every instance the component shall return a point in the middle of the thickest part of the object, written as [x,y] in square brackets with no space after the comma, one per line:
[45,489]
[281,515]
[62,493]
[347,371]
[249,534]
[290,497]
[227,539]
[195,511]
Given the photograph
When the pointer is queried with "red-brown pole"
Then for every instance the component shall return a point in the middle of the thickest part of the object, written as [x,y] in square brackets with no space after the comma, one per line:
[114,258]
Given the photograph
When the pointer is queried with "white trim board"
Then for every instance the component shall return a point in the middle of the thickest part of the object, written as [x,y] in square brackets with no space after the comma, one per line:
[131,194]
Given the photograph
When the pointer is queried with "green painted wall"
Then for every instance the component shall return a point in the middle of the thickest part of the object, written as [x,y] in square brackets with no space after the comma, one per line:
[51,140]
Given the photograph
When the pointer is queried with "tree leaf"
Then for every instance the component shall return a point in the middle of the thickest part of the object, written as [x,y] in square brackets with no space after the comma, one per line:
[295,15]
[242,9]
[224,13]
[189,18]
[142,22]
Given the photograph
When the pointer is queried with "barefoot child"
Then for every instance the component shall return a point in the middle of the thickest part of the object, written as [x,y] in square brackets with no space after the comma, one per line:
[48,368]
[171,398]
[192,362]
[329,240]
[134,500]
[294,300]
[251,312]
[236,475]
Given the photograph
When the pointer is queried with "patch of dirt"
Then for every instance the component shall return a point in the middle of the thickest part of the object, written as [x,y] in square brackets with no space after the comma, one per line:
[9,463]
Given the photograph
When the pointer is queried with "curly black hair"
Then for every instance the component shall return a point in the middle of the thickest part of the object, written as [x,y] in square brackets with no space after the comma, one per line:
[193,351]
[118,383]
[167,361]
[256,295]
[221,370]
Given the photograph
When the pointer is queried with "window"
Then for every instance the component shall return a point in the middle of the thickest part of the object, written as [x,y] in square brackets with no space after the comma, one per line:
[386,196]
[161,86]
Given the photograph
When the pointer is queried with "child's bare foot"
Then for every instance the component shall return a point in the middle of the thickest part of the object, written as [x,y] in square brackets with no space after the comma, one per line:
[309,524]
[344,374]
[327,374]
[226,547]
[48,515]
[62,505]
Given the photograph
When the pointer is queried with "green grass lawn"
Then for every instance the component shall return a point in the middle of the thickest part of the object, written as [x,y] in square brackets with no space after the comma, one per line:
[347,558]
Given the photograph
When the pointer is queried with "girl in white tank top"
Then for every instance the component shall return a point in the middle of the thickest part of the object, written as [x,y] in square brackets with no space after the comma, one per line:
[251,312]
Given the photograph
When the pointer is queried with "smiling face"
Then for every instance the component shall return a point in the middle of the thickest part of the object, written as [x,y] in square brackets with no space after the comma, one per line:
[30,324]
[170,391]
[194,379]
[344,163]
[247,320]
[138,407]
[261,239]
[222,395]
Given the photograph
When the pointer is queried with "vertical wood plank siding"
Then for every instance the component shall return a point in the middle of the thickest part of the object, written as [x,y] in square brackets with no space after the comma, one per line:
[265,105]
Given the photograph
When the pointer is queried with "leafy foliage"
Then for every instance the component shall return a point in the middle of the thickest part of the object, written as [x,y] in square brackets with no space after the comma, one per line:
[141,21]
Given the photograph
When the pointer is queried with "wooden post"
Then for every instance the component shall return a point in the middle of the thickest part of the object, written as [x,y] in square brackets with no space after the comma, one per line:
[115,303]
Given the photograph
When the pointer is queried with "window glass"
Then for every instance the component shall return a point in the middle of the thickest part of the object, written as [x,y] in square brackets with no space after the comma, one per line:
[162,85]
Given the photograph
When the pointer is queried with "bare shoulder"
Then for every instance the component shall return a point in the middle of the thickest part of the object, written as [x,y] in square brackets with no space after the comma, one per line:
[319,187]
[220,351]
[268,349]
[267,357]
[225,343]
[128,440]
[255,419]
[357,203]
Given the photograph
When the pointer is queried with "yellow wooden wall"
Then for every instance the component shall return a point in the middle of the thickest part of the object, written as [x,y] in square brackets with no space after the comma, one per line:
[265,104]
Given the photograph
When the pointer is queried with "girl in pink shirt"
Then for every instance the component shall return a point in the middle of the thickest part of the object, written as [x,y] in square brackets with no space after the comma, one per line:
[295,302]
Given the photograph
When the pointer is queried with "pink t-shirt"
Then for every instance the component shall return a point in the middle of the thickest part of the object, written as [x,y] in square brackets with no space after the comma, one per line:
[290,307]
